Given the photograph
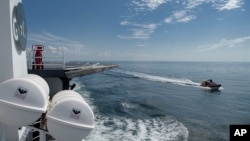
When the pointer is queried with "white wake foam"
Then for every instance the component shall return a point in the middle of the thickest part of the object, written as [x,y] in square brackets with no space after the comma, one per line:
[116,128]
[177,81]
[130,105]
[109,128]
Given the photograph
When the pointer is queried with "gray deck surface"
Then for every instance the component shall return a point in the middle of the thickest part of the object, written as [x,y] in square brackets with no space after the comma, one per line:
[75,70]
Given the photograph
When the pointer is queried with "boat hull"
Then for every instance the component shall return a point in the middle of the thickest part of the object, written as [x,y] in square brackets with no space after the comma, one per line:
[212,88]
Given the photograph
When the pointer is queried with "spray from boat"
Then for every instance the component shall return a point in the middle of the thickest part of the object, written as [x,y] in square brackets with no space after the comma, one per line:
[163,79]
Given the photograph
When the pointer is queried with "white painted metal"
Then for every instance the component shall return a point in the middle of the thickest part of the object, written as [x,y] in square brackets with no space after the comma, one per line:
[12,55]
[22,100]
[69,117]
[40,80]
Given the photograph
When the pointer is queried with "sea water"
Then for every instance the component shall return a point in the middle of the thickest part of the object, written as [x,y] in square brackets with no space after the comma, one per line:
[162,101]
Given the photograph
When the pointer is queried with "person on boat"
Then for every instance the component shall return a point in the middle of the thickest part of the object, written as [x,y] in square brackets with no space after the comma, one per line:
[207,83]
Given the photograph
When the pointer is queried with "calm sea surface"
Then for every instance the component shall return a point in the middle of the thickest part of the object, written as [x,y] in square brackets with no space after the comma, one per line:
[162,101]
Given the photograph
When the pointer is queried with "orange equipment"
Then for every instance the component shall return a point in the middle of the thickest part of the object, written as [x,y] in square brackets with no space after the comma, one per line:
[37,49]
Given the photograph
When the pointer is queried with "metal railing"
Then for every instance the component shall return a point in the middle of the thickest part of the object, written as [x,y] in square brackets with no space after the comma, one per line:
[51,59]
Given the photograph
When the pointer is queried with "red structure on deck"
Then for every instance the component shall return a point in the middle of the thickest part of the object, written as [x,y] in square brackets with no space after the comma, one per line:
[38,59]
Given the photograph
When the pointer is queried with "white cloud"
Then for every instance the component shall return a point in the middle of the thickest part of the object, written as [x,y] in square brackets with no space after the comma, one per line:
[124,23]
[182,15]
[124,37]
[225,43]
[54,42]
[52,49]
[148,4]
[191,4]
[185,14]
[188,4]
[229,4]
[169,20]
[138,31]
[218,4]
[187,18]
[179,16]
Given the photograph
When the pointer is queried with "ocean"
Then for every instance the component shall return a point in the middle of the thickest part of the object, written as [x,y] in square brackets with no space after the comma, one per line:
[162,101]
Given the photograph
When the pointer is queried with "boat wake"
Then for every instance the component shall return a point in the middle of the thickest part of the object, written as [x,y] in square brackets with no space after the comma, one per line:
[128,129]
[172,80]
[116,127]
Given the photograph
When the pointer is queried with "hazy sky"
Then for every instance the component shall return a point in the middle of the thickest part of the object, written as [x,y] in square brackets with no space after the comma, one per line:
[156,30]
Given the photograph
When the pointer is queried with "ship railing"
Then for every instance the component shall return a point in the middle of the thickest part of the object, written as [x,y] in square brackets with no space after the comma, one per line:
[51,59]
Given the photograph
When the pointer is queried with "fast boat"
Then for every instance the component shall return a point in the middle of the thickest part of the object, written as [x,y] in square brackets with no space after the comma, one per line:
[209,84]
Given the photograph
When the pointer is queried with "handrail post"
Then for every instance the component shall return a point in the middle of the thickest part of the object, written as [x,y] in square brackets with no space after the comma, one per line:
[63,60]
[60,55]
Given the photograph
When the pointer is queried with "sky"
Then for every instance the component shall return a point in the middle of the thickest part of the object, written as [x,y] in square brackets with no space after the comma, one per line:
[142,30]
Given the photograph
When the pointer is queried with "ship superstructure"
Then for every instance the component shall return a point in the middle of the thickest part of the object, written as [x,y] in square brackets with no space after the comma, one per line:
[37,102]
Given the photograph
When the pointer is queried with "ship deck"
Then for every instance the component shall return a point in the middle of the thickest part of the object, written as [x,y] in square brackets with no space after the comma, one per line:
[71,71]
